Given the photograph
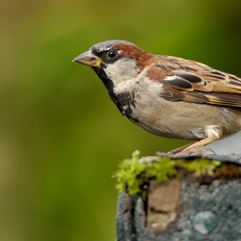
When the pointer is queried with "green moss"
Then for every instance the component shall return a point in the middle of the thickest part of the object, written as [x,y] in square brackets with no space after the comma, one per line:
[162,169]
[128,173]
[199,166]
[133,173]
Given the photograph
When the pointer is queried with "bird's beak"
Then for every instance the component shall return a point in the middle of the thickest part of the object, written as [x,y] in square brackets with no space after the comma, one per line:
[89,59]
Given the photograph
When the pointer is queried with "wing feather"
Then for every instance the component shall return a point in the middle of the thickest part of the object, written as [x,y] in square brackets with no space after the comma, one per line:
[197,83]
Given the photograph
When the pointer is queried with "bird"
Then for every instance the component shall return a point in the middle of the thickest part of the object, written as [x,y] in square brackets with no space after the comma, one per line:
[166,95]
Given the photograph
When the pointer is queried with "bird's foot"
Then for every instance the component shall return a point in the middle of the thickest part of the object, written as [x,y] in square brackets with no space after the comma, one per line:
[190,152]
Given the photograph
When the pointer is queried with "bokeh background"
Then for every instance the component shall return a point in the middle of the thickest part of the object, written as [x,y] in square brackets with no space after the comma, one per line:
[61,138]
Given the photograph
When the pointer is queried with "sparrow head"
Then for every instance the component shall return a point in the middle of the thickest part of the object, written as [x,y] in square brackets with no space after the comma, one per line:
[116,60]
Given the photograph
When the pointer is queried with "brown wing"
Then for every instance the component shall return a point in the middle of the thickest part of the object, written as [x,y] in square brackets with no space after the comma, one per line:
[194,82]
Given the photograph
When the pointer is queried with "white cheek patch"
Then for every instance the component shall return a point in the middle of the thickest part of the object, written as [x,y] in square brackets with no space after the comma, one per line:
[121,70]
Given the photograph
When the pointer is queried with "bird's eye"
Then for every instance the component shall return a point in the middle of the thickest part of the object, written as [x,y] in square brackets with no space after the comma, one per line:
[112,54]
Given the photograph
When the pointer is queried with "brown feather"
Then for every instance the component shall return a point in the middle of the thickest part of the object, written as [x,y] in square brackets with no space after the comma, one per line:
[158,72]
[202,84]
[142,58]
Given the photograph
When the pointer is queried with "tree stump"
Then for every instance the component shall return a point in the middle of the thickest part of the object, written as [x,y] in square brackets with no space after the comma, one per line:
[185,207]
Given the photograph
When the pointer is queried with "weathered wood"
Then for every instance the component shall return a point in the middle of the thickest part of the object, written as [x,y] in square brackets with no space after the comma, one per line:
[185,208]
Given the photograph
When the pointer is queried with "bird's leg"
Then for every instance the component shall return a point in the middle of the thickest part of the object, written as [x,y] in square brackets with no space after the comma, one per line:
[213,133]
[179,149]
[194,148]
[197,145]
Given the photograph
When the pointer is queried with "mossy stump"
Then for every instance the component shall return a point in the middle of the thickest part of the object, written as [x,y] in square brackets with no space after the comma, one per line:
[192,199]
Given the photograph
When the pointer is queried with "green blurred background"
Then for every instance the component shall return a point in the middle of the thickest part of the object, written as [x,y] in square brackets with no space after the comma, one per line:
[61,138]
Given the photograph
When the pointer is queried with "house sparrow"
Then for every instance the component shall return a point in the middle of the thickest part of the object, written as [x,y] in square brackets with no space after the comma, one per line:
[168,96]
